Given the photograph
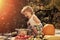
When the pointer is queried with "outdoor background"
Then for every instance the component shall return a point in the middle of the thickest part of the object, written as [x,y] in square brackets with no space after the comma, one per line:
[11,18]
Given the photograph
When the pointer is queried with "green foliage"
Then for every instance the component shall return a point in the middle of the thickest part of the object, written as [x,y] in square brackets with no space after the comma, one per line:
[46,16]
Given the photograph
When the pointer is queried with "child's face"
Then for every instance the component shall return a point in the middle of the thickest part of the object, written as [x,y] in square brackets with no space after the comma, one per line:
[27,14]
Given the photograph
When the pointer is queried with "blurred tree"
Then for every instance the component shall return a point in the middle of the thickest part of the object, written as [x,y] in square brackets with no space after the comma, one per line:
[46,14]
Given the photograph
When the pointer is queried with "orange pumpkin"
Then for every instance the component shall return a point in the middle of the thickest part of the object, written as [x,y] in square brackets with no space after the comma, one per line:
[48,29]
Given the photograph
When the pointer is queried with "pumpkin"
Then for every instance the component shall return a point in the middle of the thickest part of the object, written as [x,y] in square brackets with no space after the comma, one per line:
[48,29]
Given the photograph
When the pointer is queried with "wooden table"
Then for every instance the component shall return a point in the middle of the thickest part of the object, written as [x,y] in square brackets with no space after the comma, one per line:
[52,37]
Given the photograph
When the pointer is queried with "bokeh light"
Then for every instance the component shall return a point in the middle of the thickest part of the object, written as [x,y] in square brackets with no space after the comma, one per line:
[6,9]
[5,6]
[1,3]
[10,17]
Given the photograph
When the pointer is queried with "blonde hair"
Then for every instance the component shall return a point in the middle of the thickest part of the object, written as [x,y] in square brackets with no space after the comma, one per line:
[27,8]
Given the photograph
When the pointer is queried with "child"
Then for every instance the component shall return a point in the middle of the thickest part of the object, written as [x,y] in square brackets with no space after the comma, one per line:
[33,21]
